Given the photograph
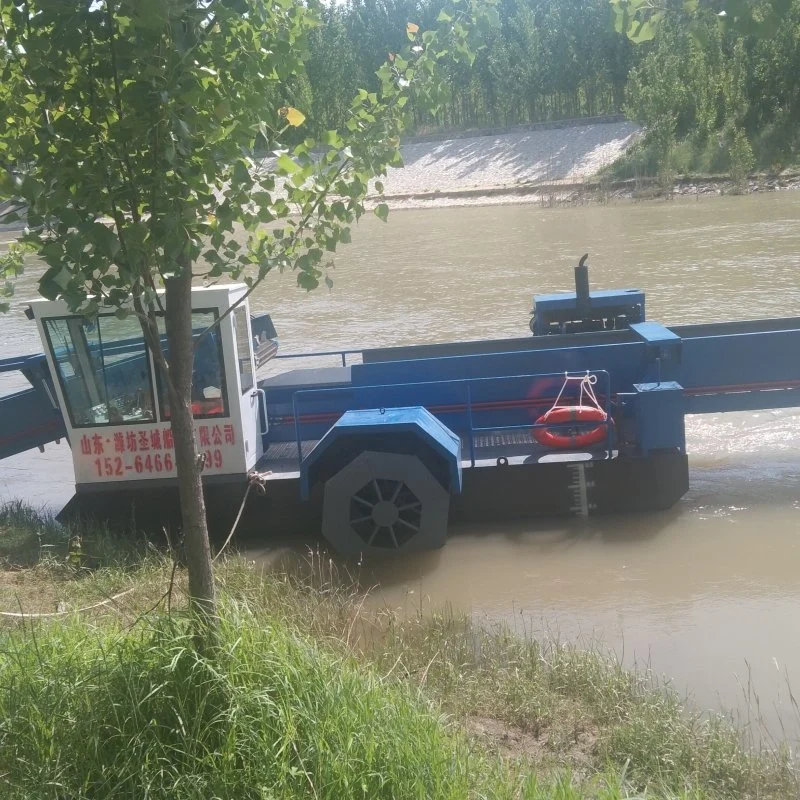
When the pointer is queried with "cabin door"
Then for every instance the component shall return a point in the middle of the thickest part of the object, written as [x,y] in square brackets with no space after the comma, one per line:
[248,394]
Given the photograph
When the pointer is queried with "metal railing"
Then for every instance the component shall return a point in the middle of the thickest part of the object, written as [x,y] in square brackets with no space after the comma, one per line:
[18,362]
[468,407]
[341,353]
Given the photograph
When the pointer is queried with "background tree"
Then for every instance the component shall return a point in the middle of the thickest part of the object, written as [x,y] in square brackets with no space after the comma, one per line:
[130,130]
[733,107]
[556,59]
[518,72]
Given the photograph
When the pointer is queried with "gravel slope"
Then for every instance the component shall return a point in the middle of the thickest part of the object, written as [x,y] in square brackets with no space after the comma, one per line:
[570,154]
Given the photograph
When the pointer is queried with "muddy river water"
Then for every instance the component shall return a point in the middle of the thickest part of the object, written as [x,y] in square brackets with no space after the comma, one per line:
[708,593]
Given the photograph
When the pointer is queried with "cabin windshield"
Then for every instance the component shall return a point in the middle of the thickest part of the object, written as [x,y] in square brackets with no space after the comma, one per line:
[103,368]
[209,394]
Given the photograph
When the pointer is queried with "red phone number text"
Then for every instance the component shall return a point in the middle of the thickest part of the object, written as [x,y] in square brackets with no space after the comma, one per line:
[149,464]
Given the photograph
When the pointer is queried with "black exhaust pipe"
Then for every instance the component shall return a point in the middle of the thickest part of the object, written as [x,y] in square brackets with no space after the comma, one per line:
[582,285]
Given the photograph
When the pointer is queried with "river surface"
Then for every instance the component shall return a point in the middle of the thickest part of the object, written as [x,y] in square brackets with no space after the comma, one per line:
[708,593]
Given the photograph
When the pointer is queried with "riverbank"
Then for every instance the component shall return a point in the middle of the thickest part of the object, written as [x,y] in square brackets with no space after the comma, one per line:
[570,164]
[451,709]
[588,188]
[596,191]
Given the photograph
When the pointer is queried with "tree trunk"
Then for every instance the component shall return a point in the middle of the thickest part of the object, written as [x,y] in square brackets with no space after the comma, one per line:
[202,594]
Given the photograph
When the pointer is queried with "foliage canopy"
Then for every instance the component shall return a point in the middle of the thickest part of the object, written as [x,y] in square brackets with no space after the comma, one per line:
[139,132]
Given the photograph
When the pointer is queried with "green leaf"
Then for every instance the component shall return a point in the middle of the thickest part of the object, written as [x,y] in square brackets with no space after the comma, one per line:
[642,31]
[286,165]
[54,282]
[241,173]
[307,281]
[332,139]
[382,211]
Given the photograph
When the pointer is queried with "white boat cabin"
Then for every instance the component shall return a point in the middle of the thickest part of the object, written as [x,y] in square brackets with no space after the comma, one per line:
[114,401]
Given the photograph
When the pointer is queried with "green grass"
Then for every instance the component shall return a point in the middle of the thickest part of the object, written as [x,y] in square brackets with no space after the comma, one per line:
[29,537]
[561,706]
[315,692]
[46,567]
[98,712]
[775,148]
[105,713]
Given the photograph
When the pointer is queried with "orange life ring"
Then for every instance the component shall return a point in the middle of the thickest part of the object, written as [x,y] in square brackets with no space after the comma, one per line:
[569,441]
[207,408]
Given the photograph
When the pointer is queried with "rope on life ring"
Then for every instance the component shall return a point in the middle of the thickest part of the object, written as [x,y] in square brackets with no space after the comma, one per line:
[583,412]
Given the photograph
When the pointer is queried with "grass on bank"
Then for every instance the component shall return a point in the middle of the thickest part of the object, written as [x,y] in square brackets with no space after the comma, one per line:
[724,156]
[314,695]
[49,568]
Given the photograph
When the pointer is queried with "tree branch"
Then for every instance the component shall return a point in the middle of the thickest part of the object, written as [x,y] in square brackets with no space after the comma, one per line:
[298,229]
[212,21]
[14,53]
[112,27]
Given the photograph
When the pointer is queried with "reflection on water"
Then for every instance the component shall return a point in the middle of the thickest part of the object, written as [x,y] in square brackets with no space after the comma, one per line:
[701,591]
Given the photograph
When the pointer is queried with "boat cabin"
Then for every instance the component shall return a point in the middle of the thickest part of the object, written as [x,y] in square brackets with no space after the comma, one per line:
[114,399]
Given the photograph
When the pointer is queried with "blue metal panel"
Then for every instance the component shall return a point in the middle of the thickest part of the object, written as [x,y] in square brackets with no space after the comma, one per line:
[730,367]
[487,346]
[742,401]
[415,423]
[659,416]
[627,363]
[16,363]
[723,367]
[463,405]
[728,371]
[524,384]
[262,327]
[663,349]
[570,312]
[655,333]
[29,418]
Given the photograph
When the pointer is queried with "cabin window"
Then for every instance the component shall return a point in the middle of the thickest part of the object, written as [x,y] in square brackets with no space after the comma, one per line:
[243,343]
[103,368]
[209,396]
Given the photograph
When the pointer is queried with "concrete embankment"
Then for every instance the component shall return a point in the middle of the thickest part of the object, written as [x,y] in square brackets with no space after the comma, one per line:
[513,160]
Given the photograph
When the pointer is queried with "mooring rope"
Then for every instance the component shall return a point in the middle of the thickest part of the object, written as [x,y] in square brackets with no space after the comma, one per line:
[36,615]
[257,479]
